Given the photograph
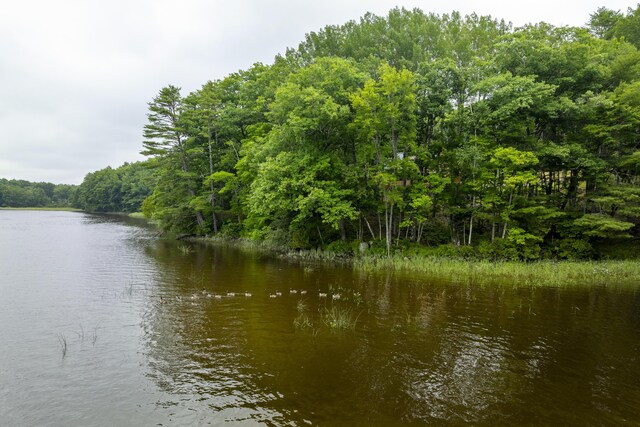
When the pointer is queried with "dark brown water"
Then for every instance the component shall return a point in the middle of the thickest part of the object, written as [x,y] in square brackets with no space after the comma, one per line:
[145,345]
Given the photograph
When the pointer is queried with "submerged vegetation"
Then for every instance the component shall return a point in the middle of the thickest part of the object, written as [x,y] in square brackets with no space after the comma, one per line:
[408,132]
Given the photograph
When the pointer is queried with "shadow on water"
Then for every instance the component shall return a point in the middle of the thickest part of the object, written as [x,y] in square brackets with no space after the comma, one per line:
[420,351]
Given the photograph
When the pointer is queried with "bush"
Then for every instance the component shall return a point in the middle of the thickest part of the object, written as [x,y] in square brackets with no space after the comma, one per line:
[340,247]
[441,251]
[498,250]
[573,249]
[230,230]
[617,248]
[377,247]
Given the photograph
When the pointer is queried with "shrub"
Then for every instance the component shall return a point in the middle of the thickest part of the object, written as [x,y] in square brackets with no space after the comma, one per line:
[340,247]
[231,230]
[573,249]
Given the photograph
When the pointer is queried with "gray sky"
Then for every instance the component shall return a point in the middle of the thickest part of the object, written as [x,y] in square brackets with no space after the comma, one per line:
[76,75]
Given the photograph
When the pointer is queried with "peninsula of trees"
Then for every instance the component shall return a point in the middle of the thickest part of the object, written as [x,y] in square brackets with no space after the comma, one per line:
[17,193]
[406,131]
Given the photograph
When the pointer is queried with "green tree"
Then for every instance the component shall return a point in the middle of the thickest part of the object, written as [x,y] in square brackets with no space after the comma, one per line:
[167,142]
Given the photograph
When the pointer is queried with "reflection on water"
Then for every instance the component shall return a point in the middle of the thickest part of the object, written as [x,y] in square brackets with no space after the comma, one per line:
[172,348]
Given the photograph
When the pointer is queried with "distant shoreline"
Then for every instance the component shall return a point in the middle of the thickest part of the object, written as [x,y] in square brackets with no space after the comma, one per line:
[41,208]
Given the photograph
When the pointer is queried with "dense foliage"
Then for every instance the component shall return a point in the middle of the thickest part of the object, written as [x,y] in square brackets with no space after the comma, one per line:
[408,131]
[20,194]
[115,190]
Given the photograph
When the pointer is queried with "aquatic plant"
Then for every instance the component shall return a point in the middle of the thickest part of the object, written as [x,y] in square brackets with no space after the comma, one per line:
[128,290]
[302,321]
[539,273]
[94,335]
[184,249]
[467,271]
[62,341]
[339,317]
[81,333]
[356,297]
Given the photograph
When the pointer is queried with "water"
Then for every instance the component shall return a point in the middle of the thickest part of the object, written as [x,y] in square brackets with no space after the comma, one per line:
[146,345]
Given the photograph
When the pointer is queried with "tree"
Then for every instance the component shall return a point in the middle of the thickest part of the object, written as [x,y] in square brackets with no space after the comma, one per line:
[385,119]
[165,139]
[517,143]
[602,22]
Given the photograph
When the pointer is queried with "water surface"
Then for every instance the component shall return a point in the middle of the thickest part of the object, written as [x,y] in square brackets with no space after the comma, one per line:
[148,343]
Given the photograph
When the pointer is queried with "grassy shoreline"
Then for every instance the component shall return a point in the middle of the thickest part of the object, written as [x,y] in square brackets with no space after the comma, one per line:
[461,271]
[538,273]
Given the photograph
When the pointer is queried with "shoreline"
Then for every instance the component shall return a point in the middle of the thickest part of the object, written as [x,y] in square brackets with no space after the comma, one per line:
[41,208]
[548,273]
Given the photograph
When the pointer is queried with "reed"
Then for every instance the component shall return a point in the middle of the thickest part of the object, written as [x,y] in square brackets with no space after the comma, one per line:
[302,321]
[184,249]
[94,335]
[456,270]
[62,341]
[339,317]
[543,273]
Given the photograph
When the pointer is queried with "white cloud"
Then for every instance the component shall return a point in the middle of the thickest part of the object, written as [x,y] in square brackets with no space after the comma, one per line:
[76,76]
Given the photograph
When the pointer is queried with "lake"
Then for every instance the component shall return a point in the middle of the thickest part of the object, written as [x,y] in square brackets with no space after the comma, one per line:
[104,323]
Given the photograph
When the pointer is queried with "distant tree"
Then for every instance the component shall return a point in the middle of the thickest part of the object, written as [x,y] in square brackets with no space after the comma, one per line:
[602,22]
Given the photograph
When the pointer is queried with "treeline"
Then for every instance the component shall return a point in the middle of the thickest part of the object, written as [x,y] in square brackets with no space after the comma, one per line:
[116,190]
[20,194]
[108,190]
[412,130]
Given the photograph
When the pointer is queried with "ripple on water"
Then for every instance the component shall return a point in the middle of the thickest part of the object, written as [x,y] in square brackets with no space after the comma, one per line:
[421,352]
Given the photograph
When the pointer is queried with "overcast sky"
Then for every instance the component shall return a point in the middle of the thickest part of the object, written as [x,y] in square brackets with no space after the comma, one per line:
[76,76]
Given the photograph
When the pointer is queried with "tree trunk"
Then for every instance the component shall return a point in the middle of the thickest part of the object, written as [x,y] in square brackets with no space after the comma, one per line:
[473,207]
[185,168]
[214,218]
[386,228]
[373,236]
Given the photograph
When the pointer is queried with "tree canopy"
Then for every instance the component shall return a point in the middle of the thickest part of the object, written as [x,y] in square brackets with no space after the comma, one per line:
[20,193]
[407,130]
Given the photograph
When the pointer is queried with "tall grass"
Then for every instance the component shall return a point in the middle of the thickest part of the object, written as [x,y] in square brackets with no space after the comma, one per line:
[185,250]
[455,270]
[546,273]
[339,317]
[302,321]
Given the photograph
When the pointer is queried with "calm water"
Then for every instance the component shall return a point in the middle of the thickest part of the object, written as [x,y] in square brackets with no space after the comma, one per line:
[145,345]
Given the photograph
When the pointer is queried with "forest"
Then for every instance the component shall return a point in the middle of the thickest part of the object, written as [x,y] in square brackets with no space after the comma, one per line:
[20,193]
[413,132]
